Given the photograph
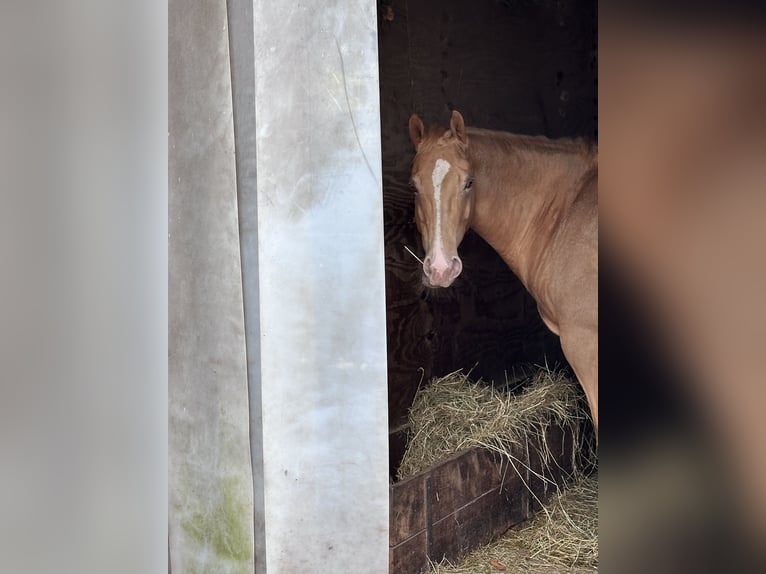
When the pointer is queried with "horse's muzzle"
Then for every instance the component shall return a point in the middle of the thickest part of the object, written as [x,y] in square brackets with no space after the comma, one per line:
[443,274]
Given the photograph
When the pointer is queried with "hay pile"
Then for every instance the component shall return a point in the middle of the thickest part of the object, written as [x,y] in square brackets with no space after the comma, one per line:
[453,413]
[563,538]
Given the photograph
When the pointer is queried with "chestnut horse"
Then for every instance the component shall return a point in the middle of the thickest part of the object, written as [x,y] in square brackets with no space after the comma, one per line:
[535,201]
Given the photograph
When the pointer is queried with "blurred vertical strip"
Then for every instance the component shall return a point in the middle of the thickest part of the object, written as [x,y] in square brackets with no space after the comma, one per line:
[83,286]
[683,318]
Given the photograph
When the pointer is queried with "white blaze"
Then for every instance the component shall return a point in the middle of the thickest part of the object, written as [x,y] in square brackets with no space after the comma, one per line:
[441,168]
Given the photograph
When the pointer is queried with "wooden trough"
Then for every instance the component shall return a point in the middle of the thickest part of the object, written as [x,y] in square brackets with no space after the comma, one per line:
[470,499]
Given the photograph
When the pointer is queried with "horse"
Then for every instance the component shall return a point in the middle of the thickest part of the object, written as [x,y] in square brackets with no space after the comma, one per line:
[534,200]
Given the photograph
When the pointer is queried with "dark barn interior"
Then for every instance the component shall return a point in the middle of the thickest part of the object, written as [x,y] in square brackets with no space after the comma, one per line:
[524,66]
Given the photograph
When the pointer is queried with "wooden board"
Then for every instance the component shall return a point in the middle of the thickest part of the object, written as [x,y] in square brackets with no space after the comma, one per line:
[523,66]
[468,500]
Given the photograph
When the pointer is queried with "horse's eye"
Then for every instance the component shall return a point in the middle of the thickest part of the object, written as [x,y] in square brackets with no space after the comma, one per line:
[468,183]
[413,187]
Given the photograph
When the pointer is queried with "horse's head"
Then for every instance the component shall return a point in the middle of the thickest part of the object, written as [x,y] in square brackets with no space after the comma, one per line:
[443,198]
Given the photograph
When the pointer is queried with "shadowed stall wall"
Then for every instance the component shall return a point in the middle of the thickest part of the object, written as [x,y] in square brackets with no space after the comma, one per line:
[525,66]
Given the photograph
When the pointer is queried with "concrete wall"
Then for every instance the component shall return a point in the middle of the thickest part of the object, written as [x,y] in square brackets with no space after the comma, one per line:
[322,305]
[278,367]
[210,477]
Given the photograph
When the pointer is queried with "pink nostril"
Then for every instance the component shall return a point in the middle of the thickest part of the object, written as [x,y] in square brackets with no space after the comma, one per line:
[456,267]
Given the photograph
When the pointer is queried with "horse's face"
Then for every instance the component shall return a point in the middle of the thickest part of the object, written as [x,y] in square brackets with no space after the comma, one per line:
[443,197]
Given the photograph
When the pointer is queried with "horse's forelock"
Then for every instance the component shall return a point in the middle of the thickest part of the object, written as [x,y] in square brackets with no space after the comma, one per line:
[438,138]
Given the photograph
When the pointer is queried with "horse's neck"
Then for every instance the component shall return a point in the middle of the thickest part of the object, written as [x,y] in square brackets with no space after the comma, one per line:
[523,186]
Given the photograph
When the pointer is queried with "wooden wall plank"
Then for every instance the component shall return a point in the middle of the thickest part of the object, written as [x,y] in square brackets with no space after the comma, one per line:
[408,510]
[475,524]
[469,499]
[410,556]
[470,476]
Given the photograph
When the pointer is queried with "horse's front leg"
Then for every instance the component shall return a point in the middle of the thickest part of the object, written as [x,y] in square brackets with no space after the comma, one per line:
[580,346]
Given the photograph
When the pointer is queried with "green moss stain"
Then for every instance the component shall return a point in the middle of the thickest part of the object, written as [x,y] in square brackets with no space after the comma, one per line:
[232,540]
[224,528]
[213,501]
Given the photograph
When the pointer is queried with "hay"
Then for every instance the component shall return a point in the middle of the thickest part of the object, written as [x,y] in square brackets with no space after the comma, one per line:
[565,538]
[453,414]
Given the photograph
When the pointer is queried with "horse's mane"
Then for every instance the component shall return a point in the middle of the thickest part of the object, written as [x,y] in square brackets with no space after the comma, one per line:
[439,136]
[538,143]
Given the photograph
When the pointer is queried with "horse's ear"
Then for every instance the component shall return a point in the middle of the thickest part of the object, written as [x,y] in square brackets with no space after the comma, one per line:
[417,129]
[457,126]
